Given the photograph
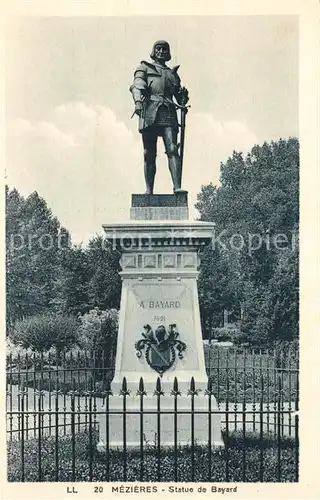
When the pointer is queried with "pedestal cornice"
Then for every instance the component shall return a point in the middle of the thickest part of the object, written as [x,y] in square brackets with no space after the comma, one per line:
[132,235]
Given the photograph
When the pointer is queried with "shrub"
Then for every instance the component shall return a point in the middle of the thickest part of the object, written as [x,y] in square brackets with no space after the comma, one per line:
[16,351]
[98,333]
[17,355]
[44,331]
[225,334]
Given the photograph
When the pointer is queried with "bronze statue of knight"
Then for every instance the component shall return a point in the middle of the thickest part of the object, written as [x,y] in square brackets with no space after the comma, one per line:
[153,89]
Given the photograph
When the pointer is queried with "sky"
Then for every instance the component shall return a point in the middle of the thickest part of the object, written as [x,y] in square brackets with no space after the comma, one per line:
[70,135]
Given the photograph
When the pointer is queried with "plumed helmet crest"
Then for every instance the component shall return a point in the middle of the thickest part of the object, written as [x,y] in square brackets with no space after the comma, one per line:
[160,42]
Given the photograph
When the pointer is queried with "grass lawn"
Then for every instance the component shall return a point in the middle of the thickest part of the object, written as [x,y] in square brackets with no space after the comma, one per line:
[240,375]
[256,452]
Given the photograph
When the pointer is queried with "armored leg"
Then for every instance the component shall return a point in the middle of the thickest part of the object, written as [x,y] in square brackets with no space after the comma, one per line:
[171,147]
[149,140]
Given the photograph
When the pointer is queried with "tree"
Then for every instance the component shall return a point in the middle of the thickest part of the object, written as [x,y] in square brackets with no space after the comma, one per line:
[105,283]
[15,261]
[89,278]
[71,285]
[216,287]
[32,244]
[256,203]
[45,272]
[284,297]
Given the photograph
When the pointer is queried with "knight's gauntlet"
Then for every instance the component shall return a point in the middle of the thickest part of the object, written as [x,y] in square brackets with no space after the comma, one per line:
[182,96]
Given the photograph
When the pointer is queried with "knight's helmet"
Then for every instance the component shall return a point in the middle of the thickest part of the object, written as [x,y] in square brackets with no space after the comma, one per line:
[163,43]
[160,333]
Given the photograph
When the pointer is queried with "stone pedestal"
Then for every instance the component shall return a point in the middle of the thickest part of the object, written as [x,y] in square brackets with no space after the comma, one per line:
[159,261]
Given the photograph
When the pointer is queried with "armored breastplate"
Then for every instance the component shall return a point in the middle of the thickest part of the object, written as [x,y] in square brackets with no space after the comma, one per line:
[161,81]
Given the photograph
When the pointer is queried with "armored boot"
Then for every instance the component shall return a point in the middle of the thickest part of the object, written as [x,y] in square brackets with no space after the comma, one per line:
[176,172]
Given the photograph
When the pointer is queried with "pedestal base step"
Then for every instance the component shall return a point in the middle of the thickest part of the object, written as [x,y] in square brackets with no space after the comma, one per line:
[179,426]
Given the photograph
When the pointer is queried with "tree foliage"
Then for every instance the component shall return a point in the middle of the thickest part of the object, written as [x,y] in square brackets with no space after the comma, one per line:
[104,288]
[253,263]
[45,272]
[33,244]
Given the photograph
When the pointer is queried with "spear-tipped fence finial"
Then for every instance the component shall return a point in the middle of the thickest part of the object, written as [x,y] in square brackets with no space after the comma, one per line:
[158,391]
[193,391]
[141,391]
[124,389]
[175,391]
[209,389]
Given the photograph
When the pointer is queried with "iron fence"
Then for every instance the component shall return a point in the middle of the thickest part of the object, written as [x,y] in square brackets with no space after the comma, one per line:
[54,403]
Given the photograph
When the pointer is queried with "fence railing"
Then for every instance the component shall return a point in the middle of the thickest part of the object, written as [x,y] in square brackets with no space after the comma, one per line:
[54,404]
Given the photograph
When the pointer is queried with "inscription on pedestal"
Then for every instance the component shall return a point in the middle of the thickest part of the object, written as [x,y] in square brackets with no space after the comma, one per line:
[159,304]
[159,207]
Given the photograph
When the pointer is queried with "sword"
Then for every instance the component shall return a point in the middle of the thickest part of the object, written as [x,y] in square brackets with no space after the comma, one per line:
[184,111]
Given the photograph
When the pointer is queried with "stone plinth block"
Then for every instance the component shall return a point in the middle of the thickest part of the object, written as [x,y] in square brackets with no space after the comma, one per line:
[113,426]
[159,200]
[159,207]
